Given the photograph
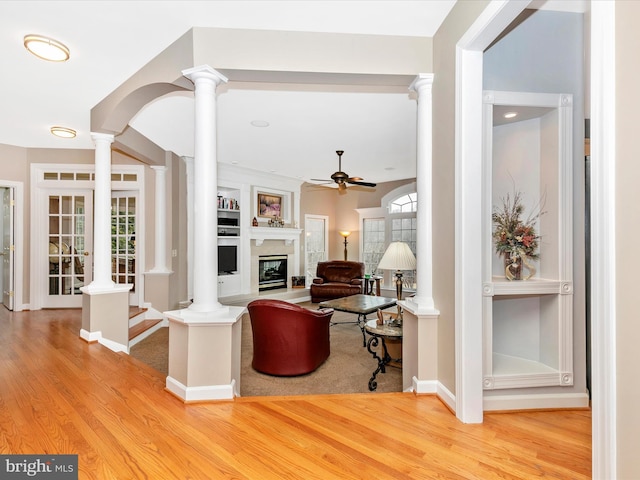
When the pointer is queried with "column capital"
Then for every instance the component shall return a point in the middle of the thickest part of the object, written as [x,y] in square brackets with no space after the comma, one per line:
[159,168]
[205,72]
[421,81]
[102,137]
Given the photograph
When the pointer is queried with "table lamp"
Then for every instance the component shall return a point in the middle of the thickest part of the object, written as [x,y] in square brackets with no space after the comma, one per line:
[345,234]
[398,257]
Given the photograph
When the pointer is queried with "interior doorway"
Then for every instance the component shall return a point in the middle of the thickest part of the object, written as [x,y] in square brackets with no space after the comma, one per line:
[316,244]
[7,275]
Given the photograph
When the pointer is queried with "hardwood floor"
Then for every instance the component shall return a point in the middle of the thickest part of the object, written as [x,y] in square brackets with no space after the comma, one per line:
[59,394]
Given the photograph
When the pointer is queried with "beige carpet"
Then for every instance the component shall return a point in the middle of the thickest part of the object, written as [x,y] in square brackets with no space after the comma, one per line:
[347,370]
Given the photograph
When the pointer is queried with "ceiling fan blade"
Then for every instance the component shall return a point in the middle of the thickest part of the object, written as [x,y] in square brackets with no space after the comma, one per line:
[364,184]
[354,179]
[320,180]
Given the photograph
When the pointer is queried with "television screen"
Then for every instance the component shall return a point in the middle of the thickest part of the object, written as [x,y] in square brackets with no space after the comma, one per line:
[227,259]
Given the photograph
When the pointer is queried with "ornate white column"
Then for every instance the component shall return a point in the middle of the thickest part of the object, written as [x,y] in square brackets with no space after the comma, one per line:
[424,275]
[161,220]
[105,305]
[189,166]
[205,338]
[420,317]
[205,190]
[102,214]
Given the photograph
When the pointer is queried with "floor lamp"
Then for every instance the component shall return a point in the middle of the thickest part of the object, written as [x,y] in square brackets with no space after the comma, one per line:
[345,234]
[398,257]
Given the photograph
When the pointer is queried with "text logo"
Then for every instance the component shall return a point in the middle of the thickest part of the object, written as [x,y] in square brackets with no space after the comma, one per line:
[50,467]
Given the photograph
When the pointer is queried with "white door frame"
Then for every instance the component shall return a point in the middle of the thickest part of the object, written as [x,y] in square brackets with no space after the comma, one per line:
[469,139]
[40,189]
[325,218]
[489,24]
[18,241]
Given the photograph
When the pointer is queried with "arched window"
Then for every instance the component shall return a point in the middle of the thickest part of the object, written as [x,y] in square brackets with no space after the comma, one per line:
[404,204]
[393,221]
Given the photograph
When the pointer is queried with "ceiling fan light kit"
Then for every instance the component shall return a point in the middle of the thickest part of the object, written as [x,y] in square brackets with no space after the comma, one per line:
[341,178]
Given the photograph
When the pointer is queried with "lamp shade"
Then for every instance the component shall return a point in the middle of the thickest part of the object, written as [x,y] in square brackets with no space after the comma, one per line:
[398,257]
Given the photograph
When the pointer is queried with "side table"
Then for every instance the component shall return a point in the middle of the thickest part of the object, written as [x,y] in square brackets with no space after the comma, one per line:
[368,285]
[378,334]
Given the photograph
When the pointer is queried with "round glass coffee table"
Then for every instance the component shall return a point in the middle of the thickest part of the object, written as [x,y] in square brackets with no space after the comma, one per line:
[378,334]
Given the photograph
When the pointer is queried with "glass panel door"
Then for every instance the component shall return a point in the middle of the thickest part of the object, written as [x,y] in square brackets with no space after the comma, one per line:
[70,244]
[7,247]
[123,241]
[316,243]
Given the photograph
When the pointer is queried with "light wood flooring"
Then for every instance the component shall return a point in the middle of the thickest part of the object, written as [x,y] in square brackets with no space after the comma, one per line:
[59,394]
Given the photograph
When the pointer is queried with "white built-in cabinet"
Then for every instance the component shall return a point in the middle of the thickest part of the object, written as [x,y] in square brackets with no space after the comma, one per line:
[528,324]
[230,231]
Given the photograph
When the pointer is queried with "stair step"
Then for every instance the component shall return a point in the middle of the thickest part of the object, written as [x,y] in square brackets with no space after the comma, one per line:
[143,326]
[134,311]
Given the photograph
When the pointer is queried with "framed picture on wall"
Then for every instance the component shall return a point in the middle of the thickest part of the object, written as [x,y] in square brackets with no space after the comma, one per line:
[270,205]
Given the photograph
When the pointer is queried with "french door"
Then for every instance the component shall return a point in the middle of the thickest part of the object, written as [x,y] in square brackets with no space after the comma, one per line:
[70,243]
[123,241]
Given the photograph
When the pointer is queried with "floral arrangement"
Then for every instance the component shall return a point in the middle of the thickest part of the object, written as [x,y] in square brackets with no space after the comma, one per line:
[513,236]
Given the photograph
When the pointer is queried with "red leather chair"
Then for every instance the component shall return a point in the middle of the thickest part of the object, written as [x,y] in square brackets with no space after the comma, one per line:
[288,339]
[336,279]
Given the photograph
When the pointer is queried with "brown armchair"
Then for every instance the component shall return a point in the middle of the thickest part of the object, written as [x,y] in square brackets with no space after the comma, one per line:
[288,339]
[335,279]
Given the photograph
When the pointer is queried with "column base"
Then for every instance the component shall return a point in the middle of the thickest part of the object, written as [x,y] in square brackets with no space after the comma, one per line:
[419,348]
[202,393]
[204,353]
[105,316]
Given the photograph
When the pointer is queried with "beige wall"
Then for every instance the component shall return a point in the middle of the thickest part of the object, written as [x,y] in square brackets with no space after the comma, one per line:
[264,50]
[457,23]
[15,166]
[341,211]
[627,233]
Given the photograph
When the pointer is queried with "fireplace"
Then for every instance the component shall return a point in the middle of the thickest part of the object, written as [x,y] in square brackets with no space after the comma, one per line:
[272,272]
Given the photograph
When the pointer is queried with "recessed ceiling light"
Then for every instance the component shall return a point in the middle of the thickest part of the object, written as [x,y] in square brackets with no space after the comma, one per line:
[234,162]
[260,123]
[510,114]
[63,132]
[389,168]
[46,48]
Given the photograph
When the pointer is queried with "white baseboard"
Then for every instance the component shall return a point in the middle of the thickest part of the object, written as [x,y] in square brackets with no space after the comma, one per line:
[209,392]
[90,336]
[433,386]
[532,401]
[424,386]
[448,398]
[114,346]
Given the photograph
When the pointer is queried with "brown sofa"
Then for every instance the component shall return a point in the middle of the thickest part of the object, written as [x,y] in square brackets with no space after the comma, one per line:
[288,339]
[335,279]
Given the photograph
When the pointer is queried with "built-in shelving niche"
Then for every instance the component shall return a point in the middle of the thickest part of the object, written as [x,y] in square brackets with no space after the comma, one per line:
[528,324]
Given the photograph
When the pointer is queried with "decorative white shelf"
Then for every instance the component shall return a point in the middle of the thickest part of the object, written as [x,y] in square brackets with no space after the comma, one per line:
[539,286]
[260,234]
[516,372]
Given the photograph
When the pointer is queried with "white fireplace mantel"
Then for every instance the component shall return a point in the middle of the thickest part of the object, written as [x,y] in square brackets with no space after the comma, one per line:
[260,234]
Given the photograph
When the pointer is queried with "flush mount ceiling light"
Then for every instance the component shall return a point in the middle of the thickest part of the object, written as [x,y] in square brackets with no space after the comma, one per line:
[510,114]
[63,132]
[46,48]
